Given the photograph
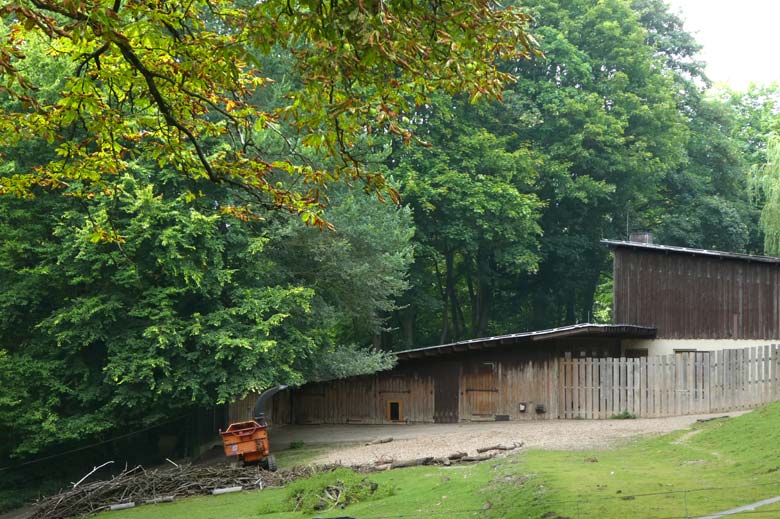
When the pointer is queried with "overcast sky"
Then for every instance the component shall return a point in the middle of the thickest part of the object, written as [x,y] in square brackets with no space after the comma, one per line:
[741,38]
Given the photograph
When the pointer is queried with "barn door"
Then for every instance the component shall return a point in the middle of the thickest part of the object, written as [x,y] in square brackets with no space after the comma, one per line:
[446,393]
[481,388]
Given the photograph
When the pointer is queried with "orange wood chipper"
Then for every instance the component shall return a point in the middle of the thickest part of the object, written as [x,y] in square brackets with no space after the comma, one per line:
[248,441]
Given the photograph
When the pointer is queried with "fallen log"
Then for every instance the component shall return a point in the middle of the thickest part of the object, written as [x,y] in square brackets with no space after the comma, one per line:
[705,420]
[121,506]
[383,460]
[500,447]
[380,440]
[411,463]
[156,500]
[467,459]
[457,455]
[227,490]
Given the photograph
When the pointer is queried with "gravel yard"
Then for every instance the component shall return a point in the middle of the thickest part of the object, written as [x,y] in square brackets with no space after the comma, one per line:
[417,441]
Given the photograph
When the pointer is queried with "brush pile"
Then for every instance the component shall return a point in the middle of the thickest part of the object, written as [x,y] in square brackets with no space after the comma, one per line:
[141,486]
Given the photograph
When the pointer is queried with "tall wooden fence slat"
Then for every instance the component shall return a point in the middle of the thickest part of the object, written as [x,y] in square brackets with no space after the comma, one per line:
[668,385]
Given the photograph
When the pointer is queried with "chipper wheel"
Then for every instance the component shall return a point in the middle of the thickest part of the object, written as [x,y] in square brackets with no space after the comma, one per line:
[269,463]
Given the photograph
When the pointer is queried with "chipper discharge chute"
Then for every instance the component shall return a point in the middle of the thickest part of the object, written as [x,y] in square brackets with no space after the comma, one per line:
[248,441]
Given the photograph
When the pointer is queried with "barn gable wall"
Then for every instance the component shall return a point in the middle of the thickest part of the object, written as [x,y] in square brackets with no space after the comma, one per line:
[688,296]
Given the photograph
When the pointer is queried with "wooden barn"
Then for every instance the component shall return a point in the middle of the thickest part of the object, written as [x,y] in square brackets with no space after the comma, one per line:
[698,300]
[508,377]
[697,334]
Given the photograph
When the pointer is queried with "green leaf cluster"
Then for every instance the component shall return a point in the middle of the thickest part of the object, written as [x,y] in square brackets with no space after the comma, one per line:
[148,302]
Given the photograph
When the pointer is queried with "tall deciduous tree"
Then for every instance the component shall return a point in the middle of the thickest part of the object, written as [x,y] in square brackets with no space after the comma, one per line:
[475,210]
[704,202]
[192,308]
[765,184]
[586,138]
[174,82]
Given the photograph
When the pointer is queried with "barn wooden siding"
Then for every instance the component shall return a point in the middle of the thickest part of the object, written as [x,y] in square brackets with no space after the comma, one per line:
[474,389]
[355,400]
[696,297]
[497,389]
[591,387]
[364,400]
[669,385]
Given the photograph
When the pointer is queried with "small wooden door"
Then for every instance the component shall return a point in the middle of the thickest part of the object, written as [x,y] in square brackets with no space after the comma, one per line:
[446,392]
[480,381]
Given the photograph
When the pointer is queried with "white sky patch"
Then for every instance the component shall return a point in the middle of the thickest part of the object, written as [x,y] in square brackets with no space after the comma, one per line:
[741,38]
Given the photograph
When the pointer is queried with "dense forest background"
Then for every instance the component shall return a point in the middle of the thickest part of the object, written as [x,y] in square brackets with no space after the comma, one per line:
[615,129]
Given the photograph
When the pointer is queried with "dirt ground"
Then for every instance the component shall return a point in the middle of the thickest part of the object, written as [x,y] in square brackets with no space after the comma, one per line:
[421,440]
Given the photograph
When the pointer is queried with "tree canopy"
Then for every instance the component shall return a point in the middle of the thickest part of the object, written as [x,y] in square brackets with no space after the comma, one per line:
[610,132]
[175,82]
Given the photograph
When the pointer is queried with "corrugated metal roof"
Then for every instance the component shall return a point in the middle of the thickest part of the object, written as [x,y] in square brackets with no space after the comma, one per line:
[695,252]
[627,331]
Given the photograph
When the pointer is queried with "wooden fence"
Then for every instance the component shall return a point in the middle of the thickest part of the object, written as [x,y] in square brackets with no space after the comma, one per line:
[670,385]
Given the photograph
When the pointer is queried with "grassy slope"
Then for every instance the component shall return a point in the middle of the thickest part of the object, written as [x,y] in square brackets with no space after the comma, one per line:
[739,457]
[736,458]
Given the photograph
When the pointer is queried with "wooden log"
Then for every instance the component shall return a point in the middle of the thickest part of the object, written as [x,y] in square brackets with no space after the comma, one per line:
[163,499]
[457,455]
[383,460]
[218,491]
[704,420]
[500,447]
[121,506]
[484,457]
[412,463]
[380,440]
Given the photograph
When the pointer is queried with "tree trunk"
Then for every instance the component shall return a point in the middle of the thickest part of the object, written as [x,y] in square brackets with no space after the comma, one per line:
[570,309]
[481,311]
[473,299]
[443,293]
[452,296]
[407,318]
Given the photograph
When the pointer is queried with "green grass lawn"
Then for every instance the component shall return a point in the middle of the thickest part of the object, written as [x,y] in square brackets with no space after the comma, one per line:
[721,465]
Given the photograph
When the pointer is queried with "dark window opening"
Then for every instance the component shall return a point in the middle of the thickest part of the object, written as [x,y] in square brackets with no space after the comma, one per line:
[394,411]
[485,368]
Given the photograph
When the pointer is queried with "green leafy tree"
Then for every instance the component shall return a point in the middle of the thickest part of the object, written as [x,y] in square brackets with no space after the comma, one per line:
[475,211]
[587,137]
[192,308]
[765,186]
[608,114]
[184,313]
[356,271]
[126,306]
[175,82]
[704,202]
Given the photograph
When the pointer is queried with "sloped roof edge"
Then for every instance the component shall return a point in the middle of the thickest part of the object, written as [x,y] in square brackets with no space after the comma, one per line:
[627,331]
[694,252]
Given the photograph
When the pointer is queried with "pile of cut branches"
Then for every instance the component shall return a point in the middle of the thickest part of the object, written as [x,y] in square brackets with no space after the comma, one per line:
[141,486]
[339,493]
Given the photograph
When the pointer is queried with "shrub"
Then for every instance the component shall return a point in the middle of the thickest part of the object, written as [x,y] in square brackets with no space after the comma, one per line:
[340,488]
